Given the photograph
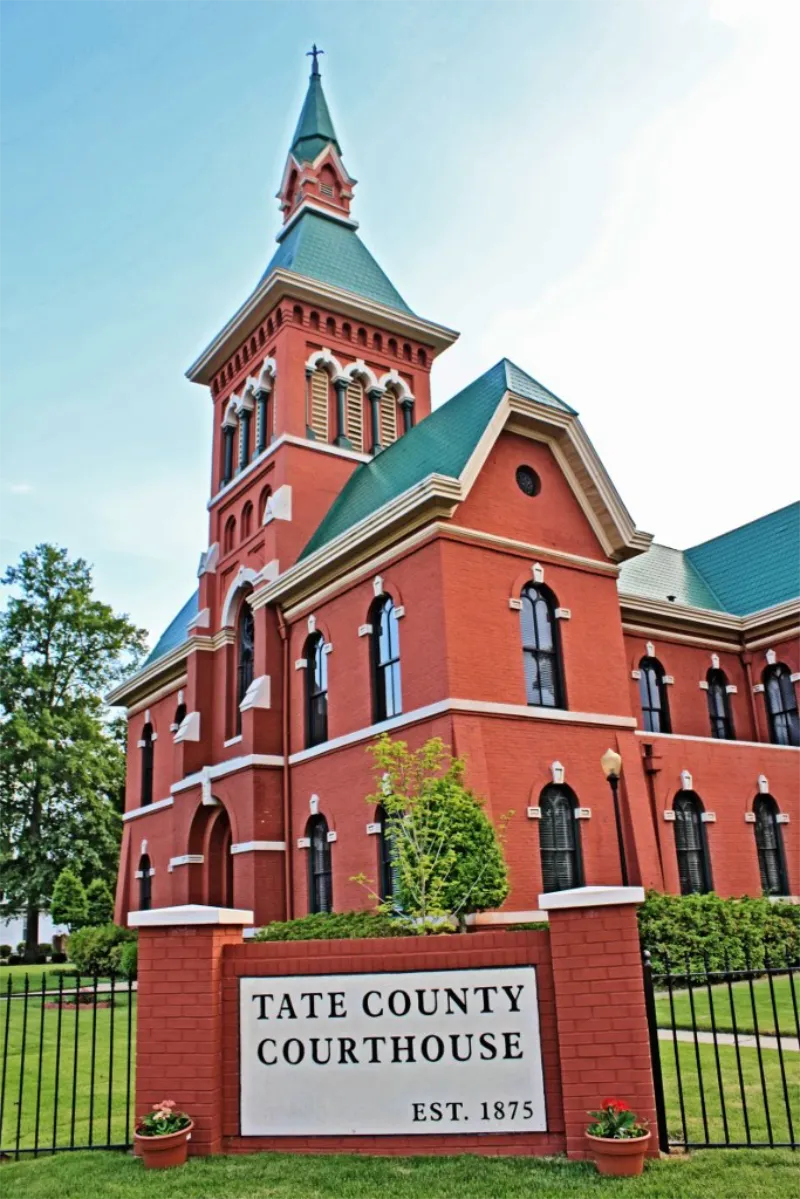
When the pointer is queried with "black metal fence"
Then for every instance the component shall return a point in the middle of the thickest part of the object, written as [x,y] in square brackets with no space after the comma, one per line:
[725,1046]
[67,1073]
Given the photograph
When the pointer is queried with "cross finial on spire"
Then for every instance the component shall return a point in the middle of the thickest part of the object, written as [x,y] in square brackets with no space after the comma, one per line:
[313,54]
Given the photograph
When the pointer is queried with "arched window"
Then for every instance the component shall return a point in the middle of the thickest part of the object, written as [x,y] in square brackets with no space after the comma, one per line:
[694,867]
[145,884]
[180,715]
[769,844]
[316,690]
[392,345]
[297,314]
[330,326]
[147,747]
[406,351]
[386,863]
[247,521]
[388,699]
[540,648]
[361,337]
[228,434]
[229,535]
[313,320]
[377,342]
[263,500]
[422,358]
[784,723]
[320,891]
[719,706]
[245,657]
[653,697]
[347,332]
[559,840]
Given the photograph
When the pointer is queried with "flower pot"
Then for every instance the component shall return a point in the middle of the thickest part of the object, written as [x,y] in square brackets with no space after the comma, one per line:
[623,1157]
[159,1153]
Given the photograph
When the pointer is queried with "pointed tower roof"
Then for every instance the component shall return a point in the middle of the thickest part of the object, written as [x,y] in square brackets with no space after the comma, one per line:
[314,128]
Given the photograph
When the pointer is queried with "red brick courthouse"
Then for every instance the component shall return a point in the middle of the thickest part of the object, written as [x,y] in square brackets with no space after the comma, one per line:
[469,573]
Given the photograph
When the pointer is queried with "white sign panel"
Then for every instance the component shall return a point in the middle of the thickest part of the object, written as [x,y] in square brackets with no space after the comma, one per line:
[431,1051]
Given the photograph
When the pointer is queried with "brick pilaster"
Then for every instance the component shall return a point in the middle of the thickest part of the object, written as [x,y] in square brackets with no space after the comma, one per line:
[602,1021]
[179,1013]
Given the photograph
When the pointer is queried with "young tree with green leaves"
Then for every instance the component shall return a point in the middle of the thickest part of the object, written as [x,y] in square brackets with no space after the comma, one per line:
[447,855]
[69,904]
[99,903]
[62,765]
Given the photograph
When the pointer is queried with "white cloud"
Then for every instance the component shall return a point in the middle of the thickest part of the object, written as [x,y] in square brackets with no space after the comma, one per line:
[20,488]
[676,336]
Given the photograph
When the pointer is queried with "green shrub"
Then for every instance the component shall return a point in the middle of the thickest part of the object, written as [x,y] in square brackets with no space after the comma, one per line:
[533,926]
[96,951]
[331,926]
[68,905]
[5,951]
[732,932]
[128,959]
[99,903]
[20,947]
[15,959]
[44,949]
[58,956]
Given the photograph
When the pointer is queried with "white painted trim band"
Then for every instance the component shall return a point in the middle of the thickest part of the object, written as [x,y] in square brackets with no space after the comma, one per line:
[223,768]
[151,807]
[186,859]
[258,846]
[713,740]
[489,919]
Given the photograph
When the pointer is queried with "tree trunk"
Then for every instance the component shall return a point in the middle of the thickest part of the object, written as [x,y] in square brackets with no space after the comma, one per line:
[31,932]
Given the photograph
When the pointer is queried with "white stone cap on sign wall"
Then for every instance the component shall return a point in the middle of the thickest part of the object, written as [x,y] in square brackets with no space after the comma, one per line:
[590,897]
[188,913]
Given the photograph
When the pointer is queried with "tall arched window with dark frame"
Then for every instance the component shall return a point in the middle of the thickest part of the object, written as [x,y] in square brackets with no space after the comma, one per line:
[387,690]
[245,656]
[653,697]
[147,744]
[769,846]
[145,883]
[559,839]
[719,706]
[691,845]
[541,650]
[781,702]
[320,874]
[386,855]
[316,671]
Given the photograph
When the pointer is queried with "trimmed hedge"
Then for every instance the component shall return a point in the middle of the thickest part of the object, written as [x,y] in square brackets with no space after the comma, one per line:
[736,933]
[331,926]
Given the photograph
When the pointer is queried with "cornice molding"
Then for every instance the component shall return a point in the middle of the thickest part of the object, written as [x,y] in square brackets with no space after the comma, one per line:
[280,283]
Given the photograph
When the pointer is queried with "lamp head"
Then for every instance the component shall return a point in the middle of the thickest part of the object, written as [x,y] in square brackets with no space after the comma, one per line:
[611,763]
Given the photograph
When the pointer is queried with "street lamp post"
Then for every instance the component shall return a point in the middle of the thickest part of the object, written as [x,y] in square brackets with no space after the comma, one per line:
[611,763]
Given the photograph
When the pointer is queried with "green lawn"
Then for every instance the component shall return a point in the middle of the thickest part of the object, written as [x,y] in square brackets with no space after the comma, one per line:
[54,1086]
[712,1175]
[731,1092]
[742,1007]
[40,978]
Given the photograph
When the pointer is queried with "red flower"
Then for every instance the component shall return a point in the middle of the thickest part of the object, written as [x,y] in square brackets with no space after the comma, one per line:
[618,1104]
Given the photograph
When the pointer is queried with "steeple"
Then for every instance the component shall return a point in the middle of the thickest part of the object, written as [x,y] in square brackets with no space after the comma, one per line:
[314,128]
[314,176]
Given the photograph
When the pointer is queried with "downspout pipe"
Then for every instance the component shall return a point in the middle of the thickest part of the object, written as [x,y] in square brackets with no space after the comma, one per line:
[288,883]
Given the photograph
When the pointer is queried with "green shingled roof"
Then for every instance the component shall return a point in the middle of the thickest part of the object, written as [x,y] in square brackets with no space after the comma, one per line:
[755,566]
[662,572]
[746,570]
[176,632]
[314,128]
[442,443]
[325,249]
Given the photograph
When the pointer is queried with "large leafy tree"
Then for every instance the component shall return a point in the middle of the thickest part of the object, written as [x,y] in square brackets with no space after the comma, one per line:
[62,764]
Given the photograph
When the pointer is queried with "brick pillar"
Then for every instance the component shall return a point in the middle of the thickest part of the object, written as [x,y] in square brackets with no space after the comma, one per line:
[600,1008]
[179,1012]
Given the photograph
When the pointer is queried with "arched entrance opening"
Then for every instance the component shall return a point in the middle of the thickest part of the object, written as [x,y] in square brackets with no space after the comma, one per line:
[211,837]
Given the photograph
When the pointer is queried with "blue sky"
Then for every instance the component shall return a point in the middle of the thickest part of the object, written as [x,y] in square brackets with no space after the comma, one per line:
[601,191]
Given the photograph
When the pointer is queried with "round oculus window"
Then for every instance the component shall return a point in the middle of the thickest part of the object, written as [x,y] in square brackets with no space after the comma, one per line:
[528,481]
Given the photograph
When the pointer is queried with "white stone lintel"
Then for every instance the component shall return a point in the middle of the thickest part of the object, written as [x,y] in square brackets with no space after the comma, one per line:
[590,897]
[258,847]
[189,914]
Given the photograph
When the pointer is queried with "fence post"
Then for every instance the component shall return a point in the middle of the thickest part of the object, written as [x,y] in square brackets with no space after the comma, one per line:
[603,1034]
[179,1012]
[655,1052]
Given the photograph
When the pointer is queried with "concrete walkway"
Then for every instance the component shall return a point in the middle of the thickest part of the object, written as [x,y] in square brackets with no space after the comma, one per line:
[746,1041]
